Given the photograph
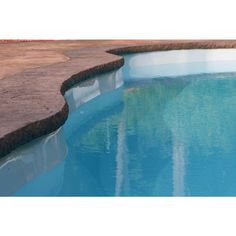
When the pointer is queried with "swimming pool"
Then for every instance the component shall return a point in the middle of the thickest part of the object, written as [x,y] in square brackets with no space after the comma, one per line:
[163,125]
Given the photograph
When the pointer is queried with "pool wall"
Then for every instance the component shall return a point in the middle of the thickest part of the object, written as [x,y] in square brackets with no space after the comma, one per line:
[32,104]
[141,66]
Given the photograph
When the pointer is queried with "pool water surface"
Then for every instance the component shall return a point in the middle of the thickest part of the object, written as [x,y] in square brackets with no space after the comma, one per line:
[155,136]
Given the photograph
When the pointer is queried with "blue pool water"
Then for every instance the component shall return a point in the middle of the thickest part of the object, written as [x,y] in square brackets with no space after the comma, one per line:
[164,136]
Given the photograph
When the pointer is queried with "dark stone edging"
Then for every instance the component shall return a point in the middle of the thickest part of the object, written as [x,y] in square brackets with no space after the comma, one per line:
[86,74]
[43,127]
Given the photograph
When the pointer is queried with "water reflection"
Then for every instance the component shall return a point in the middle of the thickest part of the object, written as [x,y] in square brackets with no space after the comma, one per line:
[28,162]
[178,167]
[160,137]
[122,150]
[122,171]
[90,89]
[203,119]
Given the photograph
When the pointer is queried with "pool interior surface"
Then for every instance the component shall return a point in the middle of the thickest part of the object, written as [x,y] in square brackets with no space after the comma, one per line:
[163,136]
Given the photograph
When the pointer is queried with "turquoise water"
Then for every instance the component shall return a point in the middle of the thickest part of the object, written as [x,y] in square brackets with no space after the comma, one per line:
[161,137]
[165,136]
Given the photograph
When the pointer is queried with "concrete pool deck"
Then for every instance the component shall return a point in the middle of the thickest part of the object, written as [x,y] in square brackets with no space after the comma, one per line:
[35,75]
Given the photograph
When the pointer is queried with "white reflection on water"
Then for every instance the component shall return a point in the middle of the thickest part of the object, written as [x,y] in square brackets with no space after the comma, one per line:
[122,176]
[178,167]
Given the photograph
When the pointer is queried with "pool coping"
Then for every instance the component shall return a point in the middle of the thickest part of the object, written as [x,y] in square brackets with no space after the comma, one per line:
[39,108]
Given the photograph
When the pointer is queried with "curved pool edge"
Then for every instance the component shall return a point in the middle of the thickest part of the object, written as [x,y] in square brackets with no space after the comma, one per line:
[20,131]
[20,136]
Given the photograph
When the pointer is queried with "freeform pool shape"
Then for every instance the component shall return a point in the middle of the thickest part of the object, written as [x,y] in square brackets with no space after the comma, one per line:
[163,125]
